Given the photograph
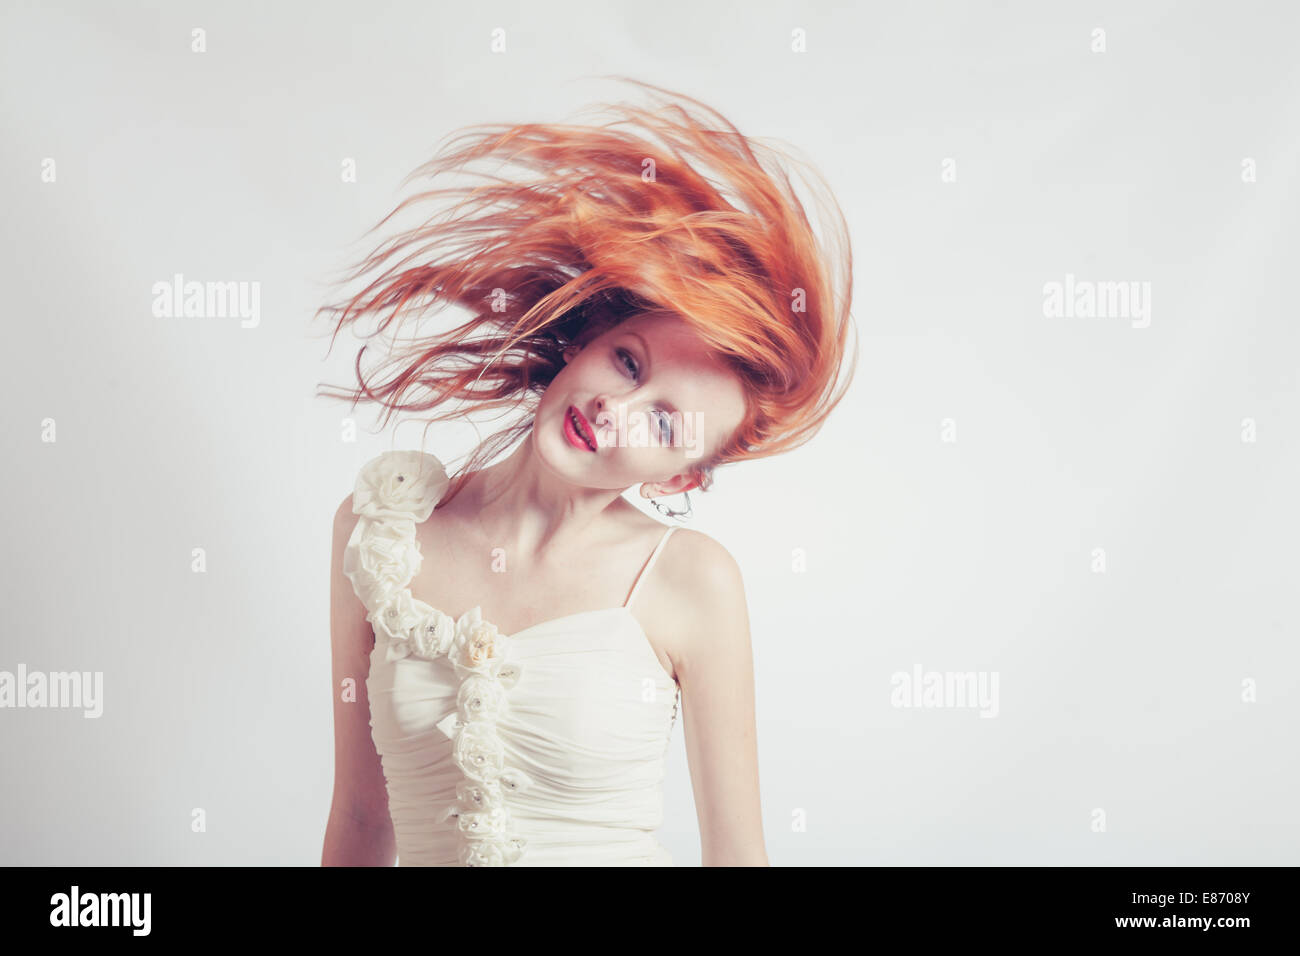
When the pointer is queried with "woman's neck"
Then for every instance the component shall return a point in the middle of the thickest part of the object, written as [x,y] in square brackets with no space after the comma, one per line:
[525,507]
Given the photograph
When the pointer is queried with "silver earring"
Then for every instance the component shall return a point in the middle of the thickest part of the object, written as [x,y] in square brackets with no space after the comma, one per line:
[669,513]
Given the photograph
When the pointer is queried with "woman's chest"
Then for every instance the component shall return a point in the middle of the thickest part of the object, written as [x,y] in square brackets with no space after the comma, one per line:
[514,590]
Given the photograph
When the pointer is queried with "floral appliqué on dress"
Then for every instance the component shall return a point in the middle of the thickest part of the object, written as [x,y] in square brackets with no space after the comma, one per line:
[393,493]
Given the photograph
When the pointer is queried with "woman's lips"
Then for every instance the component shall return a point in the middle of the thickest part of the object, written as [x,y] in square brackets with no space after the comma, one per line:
[577,431]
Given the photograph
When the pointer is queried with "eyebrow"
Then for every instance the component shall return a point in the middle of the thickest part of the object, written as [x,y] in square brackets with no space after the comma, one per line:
[672,409]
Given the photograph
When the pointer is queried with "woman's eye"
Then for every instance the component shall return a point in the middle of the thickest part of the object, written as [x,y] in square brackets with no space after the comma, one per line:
[666,426]
[629,363]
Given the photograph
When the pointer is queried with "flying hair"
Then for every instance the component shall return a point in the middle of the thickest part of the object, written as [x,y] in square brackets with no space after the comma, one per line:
[575,228]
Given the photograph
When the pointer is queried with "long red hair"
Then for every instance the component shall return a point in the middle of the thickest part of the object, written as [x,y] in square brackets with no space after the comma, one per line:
[704,223]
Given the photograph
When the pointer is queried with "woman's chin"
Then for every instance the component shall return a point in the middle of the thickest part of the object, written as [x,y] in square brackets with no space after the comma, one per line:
[561,457]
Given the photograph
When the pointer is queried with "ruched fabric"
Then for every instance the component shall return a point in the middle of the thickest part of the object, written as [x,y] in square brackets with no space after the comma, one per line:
[541,748]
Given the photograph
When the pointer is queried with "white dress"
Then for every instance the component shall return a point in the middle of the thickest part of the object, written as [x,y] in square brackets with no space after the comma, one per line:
[540,748]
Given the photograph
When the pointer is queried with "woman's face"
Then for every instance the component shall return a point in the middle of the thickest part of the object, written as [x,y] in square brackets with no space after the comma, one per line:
[655,404]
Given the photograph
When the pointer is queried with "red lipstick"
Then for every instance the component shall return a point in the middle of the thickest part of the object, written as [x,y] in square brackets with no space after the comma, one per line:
[578,431]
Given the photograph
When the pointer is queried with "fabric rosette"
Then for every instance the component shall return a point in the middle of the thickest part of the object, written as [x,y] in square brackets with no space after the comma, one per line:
[400,484]
[472,797]
[490,824]
[479,648]
[484,826]
[480,653]
[413,628]
[381,558]
[478,752]
[433,635]
[500,851]
[480,699]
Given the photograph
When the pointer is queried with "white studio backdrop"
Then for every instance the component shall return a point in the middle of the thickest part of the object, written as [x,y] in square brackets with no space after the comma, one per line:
[1067,466]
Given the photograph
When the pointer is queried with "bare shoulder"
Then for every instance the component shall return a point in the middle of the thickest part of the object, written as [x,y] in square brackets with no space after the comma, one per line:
[698,597]
[700,563]
[688,557]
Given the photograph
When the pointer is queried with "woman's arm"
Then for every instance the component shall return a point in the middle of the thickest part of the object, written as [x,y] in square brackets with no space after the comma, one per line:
[715,667]
[360,830]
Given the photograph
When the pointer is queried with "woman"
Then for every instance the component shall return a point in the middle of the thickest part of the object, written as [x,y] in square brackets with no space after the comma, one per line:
[510,647]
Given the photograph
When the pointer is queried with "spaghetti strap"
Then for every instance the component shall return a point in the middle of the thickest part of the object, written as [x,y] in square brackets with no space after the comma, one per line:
[654,555]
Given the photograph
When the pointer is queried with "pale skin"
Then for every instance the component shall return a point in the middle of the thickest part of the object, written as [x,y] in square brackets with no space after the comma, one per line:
[574,544]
